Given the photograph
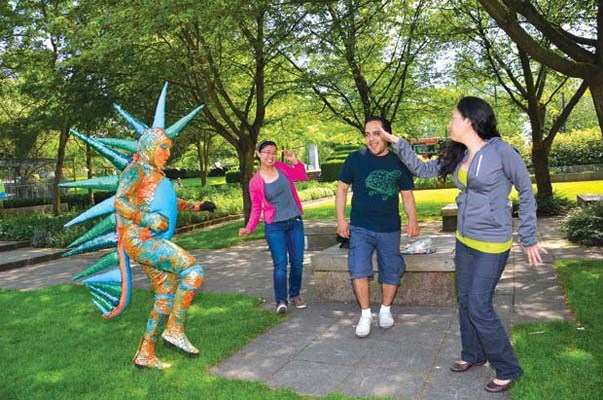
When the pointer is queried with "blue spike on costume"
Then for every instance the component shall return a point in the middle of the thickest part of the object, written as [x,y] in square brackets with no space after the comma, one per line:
[100,307]
[105,295]
[111,276]
[106,225]
[108,305]
[102,242]
[138,126]
[175,129]
[104,207]
[128,145]
[108,260]
[116,158]
[100,183]
[159,121]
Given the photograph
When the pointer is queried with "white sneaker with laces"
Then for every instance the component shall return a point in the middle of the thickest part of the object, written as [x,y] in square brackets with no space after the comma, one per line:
[363,328]
[386,320]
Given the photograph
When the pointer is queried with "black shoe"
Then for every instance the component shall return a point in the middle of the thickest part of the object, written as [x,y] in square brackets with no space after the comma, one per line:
[460,367]
[496,388]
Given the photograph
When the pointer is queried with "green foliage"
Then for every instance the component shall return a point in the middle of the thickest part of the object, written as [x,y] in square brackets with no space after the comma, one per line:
[43,229]
[330,170]
[557,205]
[584,225]
[577,148]
[46,230]
[233,176]
[548,207]
[16,203]
[341,151]
[433,183]
[563,359]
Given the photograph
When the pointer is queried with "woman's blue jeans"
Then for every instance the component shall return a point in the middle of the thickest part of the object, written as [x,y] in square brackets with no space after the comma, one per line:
[482,333]
[286,242]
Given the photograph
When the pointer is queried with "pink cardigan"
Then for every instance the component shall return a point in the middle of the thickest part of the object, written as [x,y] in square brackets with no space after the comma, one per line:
[293,173]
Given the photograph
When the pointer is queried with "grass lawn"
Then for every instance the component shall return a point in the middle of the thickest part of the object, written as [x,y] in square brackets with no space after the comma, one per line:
[212,180]
[564,360]
[55,345]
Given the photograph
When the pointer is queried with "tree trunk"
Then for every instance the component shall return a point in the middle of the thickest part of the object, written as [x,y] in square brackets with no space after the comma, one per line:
[58,171]
[595,86]
[540,149]
[202,163]
[89,167]
[540,161]
[246,155]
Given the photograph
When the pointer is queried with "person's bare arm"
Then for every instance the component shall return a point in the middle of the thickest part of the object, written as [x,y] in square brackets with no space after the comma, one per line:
[341,198]
[410,209]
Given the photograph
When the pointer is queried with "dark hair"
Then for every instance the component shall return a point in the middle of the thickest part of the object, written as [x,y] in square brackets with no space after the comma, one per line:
[385,124]
[265,143]
[483,122]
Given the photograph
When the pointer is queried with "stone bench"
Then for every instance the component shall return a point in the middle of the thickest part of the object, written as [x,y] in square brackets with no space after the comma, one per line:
[429,279]
[585,199]
[319,235]
[448,213]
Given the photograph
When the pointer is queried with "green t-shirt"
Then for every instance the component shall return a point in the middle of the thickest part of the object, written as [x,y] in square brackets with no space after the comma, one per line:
[376,183]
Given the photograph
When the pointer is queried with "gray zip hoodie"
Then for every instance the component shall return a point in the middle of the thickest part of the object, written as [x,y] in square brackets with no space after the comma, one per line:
[483,210]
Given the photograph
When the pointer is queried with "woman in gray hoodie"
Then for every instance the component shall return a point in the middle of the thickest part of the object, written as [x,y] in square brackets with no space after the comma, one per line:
[484,168]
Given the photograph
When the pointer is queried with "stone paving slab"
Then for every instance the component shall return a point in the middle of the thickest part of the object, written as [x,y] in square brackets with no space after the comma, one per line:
[18,257]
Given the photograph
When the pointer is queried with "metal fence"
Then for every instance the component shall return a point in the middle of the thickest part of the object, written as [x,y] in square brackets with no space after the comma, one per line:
[28,191]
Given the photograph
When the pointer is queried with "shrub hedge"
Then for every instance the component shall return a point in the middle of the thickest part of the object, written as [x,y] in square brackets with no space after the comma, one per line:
[333,163]
[584,225]
[233,176]
[577,148]
[46,230]
[330,170]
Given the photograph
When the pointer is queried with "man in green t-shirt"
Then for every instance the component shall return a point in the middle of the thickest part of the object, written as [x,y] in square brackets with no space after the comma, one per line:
[377,177]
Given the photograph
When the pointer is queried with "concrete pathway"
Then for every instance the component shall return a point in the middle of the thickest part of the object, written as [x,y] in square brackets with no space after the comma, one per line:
[314,351]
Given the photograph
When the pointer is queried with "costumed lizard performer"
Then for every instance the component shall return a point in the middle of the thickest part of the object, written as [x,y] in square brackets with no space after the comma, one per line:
[144,211]
[175,274]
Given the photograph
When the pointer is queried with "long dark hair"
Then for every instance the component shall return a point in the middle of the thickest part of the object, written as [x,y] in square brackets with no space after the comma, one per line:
[483,121]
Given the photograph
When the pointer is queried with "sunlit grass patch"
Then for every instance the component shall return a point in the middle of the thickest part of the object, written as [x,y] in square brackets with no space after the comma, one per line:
[561,359]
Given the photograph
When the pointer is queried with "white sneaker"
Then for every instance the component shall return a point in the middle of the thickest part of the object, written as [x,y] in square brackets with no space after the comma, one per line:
[363,328]
[385,319]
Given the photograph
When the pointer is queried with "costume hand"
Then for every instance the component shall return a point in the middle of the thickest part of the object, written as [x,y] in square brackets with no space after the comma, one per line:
[243,232]
[388,137]
[343,229]
[290,156]
[533,253]
[413,229]
[155,221]
[207,206]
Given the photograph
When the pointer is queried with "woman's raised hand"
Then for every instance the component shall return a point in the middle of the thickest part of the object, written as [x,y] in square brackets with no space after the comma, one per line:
[290,156]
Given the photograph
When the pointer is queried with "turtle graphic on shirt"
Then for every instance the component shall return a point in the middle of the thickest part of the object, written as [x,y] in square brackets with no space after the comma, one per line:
[384,183]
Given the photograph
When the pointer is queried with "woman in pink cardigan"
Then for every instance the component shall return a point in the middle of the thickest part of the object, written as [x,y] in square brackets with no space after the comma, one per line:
[273,192]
